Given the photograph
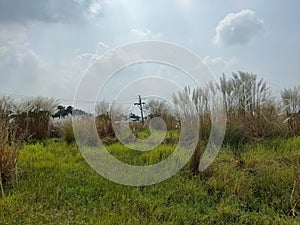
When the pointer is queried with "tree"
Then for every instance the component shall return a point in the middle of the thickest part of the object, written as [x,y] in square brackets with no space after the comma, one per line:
[62,111]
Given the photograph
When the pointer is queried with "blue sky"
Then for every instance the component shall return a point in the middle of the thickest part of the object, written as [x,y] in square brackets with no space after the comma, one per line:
[45,46]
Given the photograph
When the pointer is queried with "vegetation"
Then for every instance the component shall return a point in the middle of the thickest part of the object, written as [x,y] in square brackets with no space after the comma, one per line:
[9,143]
[8,155]
[255,178]
[291,101]
[56,186]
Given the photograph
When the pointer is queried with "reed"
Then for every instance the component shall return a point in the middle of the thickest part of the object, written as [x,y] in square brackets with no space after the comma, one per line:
[9,146]
[291,101]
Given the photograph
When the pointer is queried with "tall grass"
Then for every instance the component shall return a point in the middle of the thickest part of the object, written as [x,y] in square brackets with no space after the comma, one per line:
[104,126]
[291,101]
[84,127]
[56,186]
[67,132]
[249,103]
[19,121]
[160,108]
[33,117]
[252,113]
[9,146]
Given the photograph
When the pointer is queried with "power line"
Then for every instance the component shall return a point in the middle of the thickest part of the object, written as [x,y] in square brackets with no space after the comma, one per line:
[126,101]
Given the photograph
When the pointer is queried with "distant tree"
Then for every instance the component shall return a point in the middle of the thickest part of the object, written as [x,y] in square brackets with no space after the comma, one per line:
[69,110]
[62,111]
[134,117]
[79,112]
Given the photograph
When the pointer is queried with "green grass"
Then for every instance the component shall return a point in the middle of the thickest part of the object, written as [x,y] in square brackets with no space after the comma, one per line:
[56,186]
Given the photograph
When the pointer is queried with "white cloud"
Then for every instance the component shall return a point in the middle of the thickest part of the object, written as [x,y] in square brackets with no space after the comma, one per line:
[23,71]
[115,1]
[139,35]
[238,28]
[101,48]
[12,33]
[20,67]
[220,65]
[93,10]
[48,11]
[186,4]
[84,60]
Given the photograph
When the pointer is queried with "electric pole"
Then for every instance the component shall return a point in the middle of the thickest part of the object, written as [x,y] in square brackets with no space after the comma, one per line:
[140,104]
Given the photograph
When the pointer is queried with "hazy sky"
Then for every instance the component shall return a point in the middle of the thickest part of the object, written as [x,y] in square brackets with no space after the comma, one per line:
[45,45]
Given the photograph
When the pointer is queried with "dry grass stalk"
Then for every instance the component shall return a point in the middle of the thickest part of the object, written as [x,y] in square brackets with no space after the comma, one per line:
[9,145]
[32,117]
[291,101]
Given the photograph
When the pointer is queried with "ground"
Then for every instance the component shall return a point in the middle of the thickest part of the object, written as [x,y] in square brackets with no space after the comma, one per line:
[56,186]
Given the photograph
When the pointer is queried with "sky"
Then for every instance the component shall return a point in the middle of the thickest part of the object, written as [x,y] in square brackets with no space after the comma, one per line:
[46,46]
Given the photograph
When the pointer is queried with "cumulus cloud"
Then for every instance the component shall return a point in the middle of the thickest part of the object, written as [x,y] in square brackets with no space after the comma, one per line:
[49,11]
[238,28]
[220,65]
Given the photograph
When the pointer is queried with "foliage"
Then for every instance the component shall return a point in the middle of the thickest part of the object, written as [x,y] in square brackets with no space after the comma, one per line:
[63,111]
[56,186]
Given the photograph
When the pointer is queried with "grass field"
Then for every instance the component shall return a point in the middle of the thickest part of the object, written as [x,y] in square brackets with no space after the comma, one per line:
[56,186]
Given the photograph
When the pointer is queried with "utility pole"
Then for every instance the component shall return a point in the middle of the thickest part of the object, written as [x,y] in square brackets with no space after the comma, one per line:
[140,104]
